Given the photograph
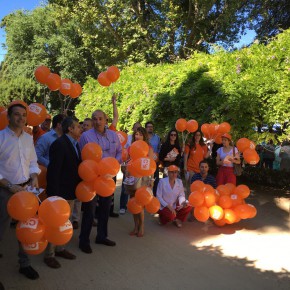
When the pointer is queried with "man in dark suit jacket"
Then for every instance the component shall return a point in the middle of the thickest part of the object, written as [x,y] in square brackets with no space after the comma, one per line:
[62,177]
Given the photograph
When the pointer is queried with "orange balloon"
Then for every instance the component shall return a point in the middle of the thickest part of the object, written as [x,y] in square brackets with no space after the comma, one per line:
[153,206]
[231,187]
[225,201]
[60,235]
[196,198]
[53,82]
[109,167]
[41,74]
[22,205]
[242,210]
[143,195]
[124,154]
[85,191]
[65,87]
[89,170]
[251,156]
[205,129]
[3,120]
[236,200]
[75,91]
[191,126]
[218,139]
[30,231]
[223,190]
[123,137]
[36,114]
[180,125]
[35,248]
[139,149]
[216,212]
[220,223]
[42,176]
[142,167]
[244,143]
[133,206]
[243,191]
[104,186]
[213,129]
[224,128]
[252,211]
[197,185]
[208,188]
[209,199]
[201,213]
[103,79]
[92,151]
[2,109]
[230,216]
[113,73]
[54,211]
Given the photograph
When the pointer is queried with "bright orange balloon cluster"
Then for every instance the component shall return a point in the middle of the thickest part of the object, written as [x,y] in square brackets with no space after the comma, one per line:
[109,76]
[96,173]
[54,82]
[225,205]
[215,131]
[143,198]
[51,224]
[247,147]
[182,125]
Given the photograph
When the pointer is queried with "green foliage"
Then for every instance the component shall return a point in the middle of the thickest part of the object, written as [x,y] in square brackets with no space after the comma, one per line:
[246,88]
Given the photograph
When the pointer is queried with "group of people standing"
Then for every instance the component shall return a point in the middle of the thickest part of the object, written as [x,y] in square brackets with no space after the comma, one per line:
[59,150]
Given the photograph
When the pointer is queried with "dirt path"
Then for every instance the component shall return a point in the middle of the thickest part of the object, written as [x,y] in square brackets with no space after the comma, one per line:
[253,254]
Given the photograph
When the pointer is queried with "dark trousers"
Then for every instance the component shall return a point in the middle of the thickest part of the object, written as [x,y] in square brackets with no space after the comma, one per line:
[156,181]
[123,196]
[88,218]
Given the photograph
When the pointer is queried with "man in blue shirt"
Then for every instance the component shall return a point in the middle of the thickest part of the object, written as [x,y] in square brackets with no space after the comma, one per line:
[203,175]
[154,140]
[43,143]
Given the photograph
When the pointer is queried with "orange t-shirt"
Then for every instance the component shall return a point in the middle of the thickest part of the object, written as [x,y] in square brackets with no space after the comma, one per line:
[195,156]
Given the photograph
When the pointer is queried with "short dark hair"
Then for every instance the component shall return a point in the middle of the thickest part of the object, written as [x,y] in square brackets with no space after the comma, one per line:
[68,122]
[10,109]
[57,119]
[204,161]
[147,123]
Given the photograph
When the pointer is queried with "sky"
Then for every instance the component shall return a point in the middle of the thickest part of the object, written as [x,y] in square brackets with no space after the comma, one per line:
[8,6]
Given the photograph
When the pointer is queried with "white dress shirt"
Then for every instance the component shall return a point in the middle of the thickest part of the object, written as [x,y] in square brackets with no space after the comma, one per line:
[168,195]
[17,156]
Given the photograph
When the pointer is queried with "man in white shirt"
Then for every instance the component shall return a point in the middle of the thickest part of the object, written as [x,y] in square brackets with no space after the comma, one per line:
[18,168]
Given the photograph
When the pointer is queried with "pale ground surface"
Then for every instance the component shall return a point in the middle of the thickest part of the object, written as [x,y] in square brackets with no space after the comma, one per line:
[253,254]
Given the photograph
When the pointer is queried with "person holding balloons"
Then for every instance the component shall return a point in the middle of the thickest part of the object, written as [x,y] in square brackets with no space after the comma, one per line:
[170,151]
[18,168]
[195,152]
[139,134]
[170,193]
[111,147]
[227,155]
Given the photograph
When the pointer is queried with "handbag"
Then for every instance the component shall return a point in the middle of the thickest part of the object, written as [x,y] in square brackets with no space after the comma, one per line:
[238,170]
[131,183]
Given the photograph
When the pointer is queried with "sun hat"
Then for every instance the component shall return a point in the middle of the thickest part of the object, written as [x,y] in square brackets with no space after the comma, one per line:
[227,135]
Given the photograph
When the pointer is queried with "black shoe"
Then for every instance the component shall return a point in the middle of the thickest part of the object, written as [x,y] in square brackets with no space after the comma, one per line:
[1,255]
[106,242]
[1,286]
[52,262]
[86,249]
[29,273]
[114,215]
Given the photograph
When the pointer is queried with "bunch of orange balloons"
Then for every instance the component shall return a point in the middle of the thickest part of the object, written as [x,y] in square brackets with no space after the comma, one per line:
[36,113]
[123,137]
[39,224]
[225,205]
[247,147]
[109,76]
[54,82]
[143,198]
[96,173]
[181,125]
[215,131]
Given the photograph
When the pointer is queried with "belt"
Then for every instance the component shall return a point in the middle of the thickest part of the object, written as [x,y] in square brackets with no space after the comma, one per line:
[24,183]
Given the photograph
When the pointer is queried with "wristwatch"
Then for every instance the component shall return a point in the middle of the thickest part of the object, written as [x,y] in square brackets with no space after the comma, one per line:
[9,185]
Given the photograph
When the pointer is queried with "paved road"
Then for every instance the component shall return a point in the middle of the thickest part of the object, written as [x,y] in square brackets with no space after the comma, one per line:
[253,254]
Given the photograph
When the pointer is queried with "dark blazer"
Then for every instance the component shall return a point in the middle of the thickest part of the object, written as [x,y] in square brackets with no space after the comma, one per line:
[62,171]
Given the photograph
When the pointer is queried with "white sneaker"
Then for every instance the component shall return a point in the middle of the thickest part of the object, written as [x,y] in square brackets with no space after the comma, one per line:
[122,211]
